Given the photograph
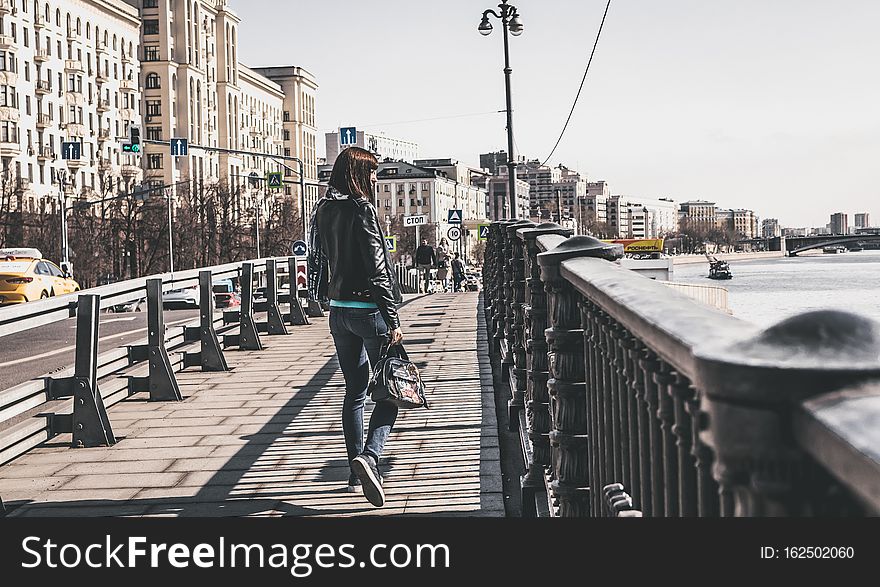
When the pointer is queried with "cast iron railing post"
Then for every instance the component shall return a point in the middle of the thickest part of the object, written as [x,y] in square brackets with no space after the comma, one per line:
[567,384]
[515,324]
[210,355]
[753,387]
[161,382]
[537,399]
[297,313]
[275,322]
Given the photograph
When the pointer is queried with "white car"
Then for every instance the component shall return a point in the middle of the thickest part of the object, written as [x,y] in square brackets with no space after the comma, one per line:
[186,297]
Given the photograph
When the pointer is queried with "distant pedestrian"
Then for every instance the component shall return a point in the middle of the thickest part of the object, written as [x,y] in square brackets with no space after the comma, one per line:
[443,264]
[426,259]
[457,272]
[349,264]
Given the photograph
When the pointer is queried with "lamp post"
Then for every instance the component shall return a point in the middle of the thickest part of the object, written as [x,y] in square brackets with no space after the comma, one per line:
[511,22]
[62,197]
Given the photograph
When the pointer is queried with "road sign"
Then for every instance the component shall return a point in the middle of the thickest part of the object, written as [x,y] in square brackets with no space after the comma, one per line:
[415,220]
[454,217]
[482,232]
[301,275]
[179,147]
[275,179]
[71,150]
[299,249]
[454,233]
[391,243]
[254,179]
[348,136]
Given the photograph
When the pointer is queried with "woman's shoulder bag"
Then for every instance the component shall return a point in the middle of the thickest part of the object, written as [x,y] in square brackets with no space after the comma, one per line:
[396,379]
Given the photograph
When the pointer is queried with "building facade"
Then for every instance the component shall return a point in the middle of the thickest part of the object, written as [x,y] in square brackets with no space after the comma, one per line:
[68,73]
[839,223]
[498,201]
[382,146]
[770,228]
[863,220]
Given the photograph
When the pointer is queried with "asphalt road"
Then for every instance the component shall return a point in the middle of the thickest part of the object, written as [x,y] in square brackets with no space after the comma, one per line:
[41,351]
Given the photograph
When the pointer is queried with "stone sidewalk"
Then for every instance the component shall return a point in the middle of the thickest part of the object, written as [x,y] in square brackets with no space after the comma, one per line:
[266,437]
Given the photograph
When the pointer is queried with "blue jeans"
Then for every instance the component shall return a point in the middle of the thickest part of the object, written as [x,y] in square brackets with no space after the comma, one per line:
[358,334]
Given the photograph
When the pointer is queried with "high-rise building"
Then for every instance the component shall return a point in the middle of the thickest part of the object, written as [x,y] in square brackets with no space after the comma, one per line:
[770,228]
[863,220]
[68,73]
[839,223]
[384,147]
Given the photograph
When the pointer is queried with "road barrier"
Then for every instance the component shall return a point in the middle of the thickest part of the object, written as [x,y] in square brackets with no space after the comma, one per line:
[75,400]
[632,399]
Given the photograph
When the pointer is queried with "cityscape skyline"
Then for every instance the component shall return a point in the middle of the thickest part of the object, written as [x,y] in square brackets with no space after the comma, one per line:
[761,116]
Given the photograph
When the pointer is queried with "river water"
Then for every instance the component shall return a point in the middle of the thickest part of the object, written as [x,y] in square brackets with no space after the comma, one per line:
[765,291]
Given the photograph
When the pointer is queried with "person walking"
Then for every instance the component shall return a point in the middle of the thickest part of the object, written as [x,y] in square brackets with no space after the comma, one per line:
[443,264]
[349,266]
[457,272]
[426,259]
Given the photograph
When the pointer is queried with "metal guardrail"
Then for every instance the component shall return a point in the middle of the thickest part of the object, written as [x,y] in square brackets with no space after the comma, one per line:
[632,399]
[75,399]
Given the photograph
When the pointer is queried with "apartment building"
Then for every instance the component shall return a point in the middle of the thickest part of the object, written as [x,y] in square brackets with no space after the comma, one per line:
[68,73]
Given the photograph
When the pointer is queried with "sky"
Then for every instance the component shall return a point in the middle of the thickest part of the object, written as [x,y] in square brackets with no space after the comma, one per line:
[772,105]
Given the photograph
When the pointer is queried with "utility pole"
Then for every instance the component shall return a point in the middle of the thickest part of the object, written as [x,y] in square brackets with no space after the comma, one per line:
[62,196]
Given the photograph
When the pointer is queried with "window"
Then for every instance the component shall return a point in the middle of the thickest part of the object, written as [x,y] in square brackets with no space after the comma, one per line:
[387,188]
[151,27]
[151,53]
[154,133]
[286,135]
[154,108]
[7,96]
[7,61]
[8,131]
[154,161]
[152,81]
[400,203]
[151,3]
[286,116]
[27,71]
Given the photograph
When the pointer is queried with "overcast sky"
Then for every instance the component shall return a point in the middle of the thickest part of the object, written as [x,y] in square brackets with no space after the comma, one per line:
[772,105]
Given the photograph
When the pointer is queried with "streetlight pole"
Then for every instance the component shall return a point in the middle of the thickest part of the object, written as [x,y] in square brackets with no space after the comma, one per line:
[170,237]
[63,200]
[510,22]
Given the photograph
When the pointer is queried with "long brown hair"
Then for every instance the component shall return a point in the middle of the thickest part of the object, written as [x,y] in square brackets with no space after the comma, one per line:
[351,172]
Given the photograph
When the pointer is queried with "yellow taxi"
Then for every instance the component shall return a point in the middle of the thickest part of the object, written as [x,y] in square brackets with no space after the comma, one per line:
[25,276]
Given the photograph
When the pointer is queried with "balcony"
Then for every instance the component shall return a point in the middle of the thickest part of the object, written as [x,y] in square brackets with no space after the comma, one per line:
[127,113]
[127,85]
[7,7]
[127,59]
[44,87]
[130,170]
[7,42]
[73,66]
[41,56]
[72,36]
[75,130]
[39,21]
[105,166]
[10,113]
[45,154]
[103,106]
[103,48]
[9,148]
[102,77]
[103,135]
[43,121]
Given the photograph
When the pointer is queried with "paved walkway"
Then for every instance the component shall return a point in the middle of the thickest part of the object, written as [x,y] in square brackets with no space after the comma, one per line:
[266,437]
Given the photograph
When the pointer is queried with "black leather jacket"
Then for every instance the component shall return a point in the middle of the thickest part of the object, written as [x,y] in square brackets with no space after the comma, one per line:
[360,268]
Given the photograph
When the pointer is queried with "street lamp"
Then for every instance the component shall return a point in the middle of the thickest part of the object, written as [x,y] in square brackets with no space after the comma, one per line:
[511,22]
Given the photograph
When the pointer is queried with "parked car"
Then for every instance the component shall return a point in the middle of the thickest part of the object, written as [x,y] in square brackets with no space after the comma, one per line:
[181,298]
[25,276]
[227,299]
[472,280]
[138,305]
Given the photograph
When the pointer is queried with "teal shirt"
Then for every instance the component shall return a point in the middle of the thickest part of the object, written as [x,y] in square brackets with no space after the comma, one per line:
[351,304]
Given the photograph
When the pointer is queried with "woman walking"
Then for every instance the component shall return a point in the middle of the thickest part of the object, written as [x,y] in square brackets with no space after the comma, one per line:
[349,266]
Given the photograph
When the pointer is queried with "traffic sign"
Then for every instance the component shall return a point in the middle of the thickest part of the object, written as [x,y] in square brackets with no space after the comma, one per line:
[391,243]
[254,179]
[275,179]
[454,217]
[454,233]
[300,249]
[482,232]
[179,147]
[415,220]
[348,136]
[71,150]
[302,281]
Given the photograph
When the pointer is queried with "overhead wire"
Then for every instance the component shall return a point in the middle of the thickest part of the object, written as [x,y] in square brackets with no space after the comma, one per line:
[584,79]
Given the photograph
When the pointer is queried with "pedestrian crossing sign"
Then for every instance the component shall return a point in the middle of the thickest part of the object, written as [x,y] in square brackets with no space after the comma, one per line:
[275,179]
[482,232]
[391,243]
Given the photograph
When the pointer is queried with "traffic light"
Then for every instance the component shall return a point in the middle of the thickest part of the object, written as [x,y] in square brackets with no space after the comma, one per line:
[133,145]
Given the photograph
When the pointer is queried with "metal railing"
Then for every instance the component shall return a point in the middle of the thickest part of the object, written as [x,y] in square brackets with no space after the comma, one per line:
[75,400]
[634,400]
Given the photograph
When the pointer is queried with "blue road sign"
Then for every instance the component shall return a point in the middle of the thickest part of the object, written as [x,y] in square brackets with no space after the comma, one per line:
[179,147]
[348,136]
[454,217]
[71,150]
[299,249]
[275,179]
